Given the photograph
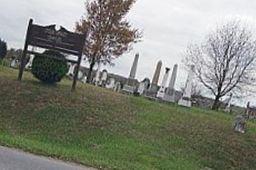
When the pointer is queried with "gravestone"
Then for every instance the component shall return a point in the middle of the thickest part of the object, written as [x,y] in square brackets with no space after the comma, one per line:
[97,77]
[134,67]
[186,98]
[170,91]
[229,101]
[80,75]
[250,111]
[71,70]
[117,87]
[161,92]
[130,86]
[154,85]
[30,62]
[104,78]
[111,84]
[143,86]
[84,79]
[14,63]
[240,123]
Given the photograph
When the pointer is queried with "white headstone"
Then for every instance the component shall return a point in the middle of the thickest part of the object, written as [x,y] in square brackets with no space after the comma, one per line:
[170,91]
[14,63]
[141,88]
[239,124]
[228,107]
[111,84]
[97,77]
[117,87]
[80,75]
[186,98]
[71,69]
[161,92]
[104,78]
[84,79]
[29,64]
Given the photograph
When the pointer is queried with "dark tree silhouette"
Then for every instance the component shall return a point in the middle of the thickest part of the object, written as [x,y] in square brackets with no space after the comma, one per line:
[3,49]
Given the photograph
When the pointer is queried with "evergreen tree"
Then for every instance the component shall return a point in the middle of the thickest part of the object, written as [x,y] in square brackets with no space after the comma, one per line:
[3,49]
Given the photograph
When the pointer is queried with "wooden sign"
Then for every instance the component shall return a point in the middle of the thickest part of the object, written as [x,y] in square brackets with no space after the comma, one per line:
[48,37]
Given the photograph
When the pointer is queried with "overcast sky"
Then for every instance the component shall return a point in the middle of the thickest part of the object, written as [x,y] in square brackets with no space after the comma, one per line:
[168,26]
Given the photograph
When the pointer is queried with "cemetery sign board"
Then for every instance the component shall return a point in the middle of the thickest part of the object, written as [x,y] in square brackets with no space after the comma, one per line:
[48,37]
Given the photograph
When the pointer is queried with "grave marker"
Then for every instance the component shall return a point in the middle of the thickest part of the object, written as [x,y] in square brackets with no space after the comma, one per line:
[154,85]
[130,85]
[161,92]
[170,91]
[186,98]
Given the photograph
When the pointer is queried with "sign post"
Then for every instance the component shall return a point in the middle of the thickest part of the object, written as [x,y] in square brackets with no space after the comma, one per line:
[47,37]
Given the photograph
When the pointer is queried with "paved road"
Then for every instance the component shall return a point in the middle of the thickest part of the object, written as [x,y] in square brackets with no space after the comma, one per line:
[11,159]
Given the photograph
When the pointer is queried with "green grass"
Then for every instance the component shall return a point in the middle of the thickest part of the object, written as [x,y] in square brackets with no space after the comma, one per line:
[107,130]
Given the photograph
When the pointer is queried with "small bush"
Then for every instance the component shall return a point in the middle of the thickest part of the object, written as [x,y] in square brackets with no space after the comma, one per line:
[49,67]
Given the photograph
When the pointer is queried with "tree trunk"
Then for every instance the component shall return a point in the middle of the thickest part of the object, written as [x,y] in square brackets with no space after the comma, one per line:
[216,104]
[89,76]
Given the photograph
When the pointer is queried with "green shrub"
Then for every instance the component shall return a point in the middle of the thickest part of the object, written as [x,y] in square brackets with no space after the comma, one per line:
[49,67]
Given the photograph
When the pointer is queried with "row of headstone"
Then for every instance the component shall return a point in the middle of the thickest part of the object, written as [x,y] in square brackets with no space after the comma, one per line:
[101,78]
[109,83]
[165,93]
[15,63]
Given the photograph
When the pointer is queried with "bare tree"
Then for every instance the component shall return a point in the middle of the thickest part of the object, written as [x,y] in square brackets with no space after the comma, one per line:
[109,33]
[225,62]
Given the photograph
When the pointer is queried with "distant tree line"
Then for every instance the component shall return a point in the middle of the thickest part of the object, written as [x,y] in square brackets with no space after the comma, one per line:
[14,54]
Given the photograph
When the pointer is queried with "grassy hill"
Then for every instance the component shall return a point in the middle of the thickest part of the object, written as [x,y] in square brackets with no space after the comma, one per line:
[107,130]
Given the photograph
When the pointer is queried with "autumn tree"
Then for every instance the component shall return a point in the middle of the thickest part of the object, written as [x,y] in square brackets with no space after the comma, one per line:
[109,34]
[225,61]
